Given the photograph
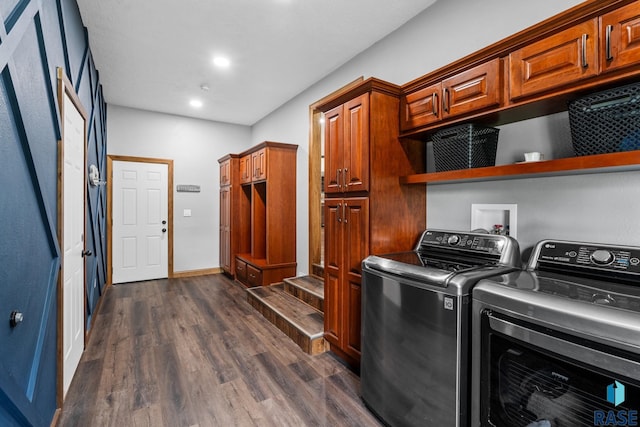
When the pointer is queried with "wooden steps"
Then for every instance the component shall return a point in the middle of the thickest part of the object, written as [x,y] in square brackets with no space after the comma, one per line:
[296,308]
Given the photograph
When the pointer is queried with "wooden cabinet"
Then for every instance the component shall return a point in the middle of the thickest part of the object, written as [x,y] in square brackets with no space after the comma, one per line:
[535,72]
[259,165]
[599,45]
[366,210]
[347,146]
[225,172]
[466,92]
[267,212]
[347,231]
[246,170]
[229,204]
[564,57]
[621,32]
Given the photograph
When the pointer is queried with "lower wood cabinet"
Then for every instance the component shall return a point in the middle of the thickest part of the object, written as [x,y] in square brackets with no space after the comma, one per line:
[347,244]
[256,272]
[241,270]
[254,276]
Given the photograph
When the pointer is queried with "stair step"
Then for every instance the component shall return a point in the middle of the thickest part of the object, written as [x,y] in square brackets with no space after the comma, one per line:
[298,320]
[309,289]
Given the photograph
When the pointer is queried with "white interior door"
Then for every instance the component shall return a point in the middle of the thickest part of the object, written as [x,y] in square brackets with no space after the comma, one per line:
[73,241]
[140,215]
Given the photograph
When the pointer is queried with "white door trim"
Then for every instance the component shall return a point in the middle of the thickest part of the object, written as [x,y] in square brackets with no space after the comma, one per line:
[110,160]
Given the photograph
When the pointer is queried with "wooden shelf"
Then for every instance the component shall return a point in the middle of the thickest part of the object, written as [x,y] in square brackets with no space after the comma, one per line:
[599,163]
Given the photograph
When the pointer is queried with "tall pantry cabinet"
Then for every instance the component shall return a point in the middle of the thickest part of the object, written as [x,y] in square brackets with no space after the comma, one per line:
[229,205]
[367,211]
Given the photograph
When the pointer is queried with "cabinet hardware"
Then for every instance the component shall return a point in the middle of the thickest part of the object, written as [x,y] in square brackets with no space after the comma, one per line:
[584,51]
[338,212]
[344,213]
[609,57]
[434,103]
[345,179]
[445,100]
[338,172]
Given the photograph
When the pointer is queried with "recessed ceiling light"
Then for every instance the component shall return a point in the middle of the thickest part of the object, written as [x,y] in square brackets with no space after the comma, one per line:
[221,61]
[195,103]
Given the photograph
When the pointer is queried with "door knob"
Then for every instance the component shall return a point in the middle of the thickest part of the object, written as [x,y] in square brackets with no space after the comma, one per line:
[16,317]
[164,222]
[87,253]
[164,230]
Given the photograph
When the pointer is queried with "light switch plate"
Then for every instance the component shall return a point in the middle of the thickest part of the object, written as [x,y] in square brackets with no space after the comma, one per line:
[485,216]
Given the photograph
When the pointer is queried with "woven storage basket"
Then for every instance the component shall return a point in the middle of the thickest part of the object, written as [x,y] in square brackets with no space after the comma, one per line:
[607,121]
[465,146]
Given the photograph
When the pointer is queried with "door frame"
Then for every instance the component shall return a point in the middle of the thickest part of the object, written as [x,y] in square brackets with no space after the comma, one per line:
[110,159]
[65,88]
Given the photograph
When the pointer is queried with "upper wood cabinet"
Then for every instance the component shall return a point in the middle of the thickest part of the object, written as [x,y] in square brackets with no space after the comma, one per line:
[347,146]
[259,165]
[536,72]
[562,58]
[621,30]
[246,171]
[604,44]
[466,92]
[225,172]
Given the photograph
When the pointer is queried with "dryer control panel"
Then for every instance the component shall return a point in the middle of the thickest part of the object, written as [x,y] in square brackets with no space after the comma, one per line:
[587,255]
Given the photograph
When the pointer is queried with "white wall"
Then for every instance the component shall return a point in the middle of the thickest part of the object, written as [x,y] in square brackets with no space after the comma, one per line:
[195,147]
[586,207]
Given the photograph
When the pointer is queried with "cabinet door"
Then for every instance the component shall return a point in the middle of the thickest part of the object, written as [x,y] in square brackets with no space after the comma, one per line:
[225,172]
[259,164]
[333,149]
[421,107]
[621,32]
[472,90]
[355,222]
[332,270]
[355,171]
[245,169]
[563,58]
[225,229]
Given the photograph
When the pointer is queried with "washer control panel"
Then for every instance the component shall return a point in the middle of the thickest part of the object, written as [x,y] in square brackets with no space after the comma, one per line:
[481,243]
[588,255]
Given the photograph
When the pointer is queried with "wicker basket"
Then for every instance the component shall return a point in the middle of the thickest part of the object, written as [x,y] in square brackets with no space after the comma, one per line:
[607,121]
[465,146]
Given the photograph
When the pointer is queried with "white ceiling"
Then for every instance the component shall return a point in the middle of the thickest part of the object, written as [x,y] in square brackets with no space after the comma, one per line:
[156,54]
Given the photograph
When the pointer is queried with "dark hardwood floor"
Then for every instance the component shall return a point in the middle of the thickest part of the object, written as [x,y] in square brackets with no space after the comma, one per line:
[193,352]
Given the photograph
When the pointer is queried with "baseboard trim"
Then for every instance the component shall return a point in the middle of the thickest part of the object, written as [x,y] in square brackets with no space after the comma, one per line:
[56,417]
[194,273]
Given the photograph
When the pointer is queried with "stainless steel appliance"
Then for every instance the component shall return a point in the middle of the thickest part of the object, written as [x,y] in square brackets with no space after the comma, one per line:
[415,325]
[559,344]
